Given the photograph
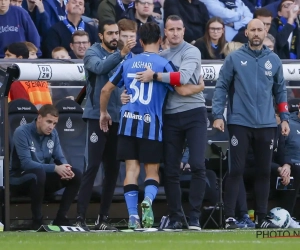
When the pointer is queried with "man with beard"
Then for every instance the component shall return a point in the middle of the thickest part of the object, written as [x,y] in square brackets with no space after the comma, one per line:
[100,62]
[251,77]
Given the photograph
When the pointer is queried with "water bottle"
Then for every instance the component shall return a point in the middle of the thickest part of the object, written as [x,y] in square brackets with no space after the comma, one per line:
[1,227]
[251,214]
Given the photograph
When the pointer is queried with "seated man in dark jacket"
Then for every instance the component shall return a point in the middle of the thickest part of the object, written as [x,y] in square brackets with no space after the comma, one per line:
[286,31]
[288,157]
[35,145]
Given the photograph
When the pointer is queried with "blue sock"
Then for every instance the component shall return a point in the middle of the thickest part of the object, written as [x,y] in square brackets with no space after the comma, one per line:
[131,198]
[151,187]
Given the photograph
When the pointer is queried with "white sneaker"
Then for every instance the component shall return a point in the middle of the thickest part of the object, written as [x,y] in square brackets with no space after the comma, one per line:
[294,224]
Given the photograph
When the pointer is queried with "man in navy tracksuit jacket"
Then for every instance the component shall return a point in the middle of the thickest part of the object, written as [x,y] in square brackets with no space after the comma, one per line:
[251,77]
[100,63]
[35,145]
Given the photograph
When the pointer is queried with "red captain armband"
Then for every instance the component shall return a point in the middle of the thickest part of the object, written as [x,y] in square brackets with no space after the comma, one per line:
[282,107]
[175,78]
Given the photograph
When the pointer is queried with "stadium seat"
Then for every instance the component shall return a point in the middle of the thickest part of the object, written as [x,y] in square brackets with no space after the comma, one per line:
[215,134]
[71,129]
[119,190]
[293,104]
[20,112]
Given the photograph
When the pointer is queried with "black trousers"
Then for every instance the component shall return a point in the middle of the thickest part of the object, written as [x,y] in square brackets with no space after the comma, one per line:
[100,147]
[192,125]
[261,140]
[36,182]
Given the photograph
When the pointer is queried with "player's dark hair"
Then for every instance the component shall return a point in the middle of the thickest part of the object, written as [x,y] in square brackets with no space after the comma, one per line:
[48,109]
[149,33]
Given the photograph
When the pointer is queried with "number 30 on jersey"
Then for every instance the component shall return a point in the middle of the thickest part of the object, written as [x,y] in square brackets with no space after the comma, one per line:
[139,91]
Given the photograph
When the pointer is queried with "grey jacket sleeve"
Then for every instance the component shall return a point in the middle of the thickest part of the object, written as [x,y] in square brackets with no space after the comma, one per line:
[99,66]
[23,151]
[222,87]
[279,91]
[190,62]
[57,154]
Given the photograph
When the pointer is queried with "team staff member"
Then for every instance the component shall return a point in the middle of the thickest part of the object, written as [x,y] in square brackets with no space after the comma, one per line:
[250,76]
[140,130]
[35,145]
[185,117]
[100,62]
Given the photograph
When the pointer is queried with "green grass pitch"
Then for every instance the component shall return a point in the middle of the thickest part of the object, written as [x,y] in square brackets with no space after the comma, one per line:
[186,240]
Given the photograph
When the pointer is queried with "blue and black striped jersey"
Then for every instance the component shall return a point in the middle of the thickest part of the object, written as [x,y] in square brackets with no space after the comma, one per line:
[142,116]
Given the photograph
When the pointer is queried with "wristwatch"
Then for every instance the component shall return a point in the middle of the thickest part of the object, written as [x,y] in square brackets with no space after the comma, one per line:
[155,76]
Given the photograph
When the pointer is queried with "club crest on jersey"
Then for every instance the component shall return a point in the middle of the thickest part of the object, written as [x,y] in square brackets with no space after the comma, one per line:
[32,147]
[50,144]
[268,65]
[234,141]
[147,118]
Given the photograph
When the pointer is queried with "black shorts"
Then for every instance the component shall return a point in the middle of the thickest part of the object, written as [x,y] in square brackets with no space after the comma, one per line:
[143,150]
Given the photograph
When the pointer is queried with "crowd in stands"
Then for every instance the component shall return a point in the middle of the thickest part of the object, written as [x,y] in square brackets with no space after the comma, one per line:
[66,29]
[50,24]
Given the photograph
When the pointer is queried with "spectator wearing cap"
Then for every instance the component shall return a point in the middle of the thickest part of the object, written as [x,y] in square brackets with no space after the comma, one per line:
[286,31]
[234,13]
[16,26]
[37,92]
[60,34]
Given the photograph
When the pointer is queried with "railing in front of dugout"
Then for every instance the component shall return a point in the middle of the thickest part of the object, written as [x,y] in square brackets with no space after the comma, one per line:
[73,70]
